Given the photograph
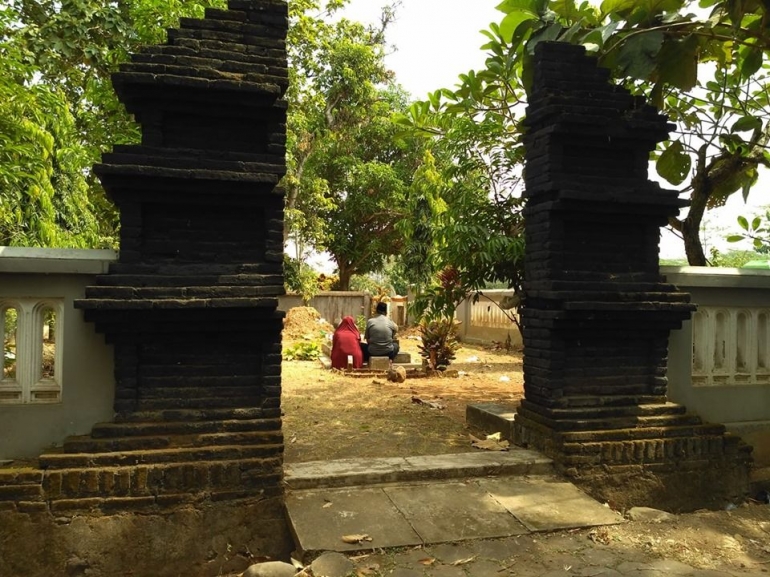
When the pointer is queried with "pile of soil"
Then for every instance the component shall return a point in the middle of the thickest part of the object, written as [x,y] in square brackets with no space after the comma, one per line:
[304,323]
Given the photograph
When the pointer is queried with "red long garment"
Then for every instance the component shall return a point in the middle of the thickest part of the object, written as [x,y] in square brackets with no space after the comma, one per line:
[346,341]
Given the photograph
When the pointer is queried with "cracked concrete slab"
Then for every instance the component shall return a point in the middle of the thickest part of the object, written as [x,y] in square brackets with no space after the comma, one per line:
[320,518]
[545,503]
[454,511]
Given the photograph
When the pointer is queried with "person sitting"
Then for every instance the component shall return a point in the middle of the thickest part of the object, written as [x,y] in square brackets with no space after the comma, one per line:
[346,342]
[380,335]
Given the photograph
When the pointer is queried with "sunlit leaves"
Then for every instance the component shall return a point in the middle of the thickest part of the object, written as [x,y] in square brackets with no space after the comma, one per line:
[512,21]
[674,164]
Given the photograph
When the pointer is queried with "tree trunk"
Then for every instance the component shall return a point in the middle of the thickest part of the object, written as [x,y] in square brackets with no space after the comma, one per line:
[346,272]
[693,247]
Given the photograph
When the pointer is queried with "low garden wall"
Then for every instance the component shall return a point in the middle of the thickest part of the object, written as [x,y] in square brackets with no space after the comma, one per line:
[44,400]
[332,305]
[719,362]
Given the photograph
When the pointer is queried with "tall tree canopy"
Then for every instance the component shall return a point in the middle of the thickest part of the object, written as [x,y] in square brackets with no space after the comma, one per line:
[700,63]
[349,169]
[58,111]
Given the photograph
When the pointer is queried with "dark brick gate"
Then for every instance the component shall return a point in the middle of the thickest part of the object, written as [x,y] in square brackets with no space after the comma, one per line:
[598,314]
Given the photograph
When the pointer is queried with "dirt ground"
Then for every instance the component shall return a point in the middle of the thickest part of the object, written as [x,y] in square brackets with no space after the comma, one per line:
[333,415]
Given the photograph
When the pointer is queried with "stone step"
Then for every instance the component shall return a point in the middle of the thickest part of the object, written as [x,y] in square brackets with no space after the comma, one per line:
[350,472]
[154,456]
[493,417]
[20,485]
[86,444]
[244,475]
[632,434]
[130,429]
[608,412]
[628,422]
[646,451]
[197,415]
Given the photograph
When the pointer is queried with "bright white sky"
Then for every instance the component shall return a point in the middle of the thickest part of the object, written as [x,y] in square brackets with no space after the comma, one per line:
[437,40]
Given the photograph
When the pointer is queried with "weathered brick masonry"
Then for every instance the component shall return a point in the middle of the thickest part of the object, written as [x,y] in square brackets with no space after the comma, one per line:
[191,304]
[598,313]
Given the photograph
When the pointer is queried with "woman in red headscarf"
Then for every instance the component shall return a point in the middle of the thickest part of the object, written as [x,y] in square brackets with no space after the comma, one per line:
[346,341]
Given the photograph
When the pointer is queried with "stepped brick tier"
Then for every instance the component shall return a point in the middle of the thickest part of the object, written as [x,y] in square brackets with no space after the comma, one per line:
[191,305]
[598,314]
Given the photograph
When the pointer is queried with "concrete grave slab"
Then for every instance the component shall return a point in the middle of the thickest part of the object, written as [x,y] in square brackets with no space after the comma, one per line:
[453,511]
[545,503]
[321,517]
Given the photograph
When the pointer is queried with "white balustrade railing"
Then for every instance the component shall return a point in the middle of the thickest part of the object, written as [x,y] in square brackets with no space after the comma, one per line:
[731,346]
[32,356]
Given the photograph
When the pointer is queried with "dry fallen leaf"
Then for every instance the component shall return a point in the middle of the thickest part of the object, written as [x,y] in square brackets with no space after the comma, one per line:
[355,539]
[428,561]
[600,536]
[326,505]
[489,444]
[463,561]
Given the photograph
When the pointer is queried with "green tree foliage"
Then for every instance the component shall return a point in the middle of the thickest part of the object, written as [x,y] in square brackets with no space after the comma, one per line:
[348,170]
[756,230]
[43,191]
[59,111]
[703,67]
[474,226]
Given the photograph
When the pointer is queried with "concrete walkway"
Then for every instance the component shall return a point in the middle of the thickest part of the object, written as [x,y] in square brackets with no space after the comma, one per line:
[430,500]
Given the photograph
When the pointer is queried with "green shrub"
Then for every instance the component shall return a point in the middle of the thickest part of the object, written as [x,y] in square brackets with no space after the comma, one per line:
[302,351]
[439,342]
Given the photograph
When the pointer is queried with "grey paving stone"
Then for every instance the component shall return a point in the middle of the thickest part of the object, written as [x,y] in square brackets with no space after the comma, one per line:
[411,556]
[600,557]
[497,549]
[671,567]
[630,566]
[445,571]
[566,543]
[404,572]
[546,504]
[596,571]
[483,568]
[557,573]
[320,518]
[453,512]
[554,561]
[449,553]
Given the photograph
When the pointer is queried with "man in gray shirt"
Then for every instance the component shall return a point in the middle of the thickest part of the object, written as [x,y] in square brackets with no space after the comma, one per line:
[380,335]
